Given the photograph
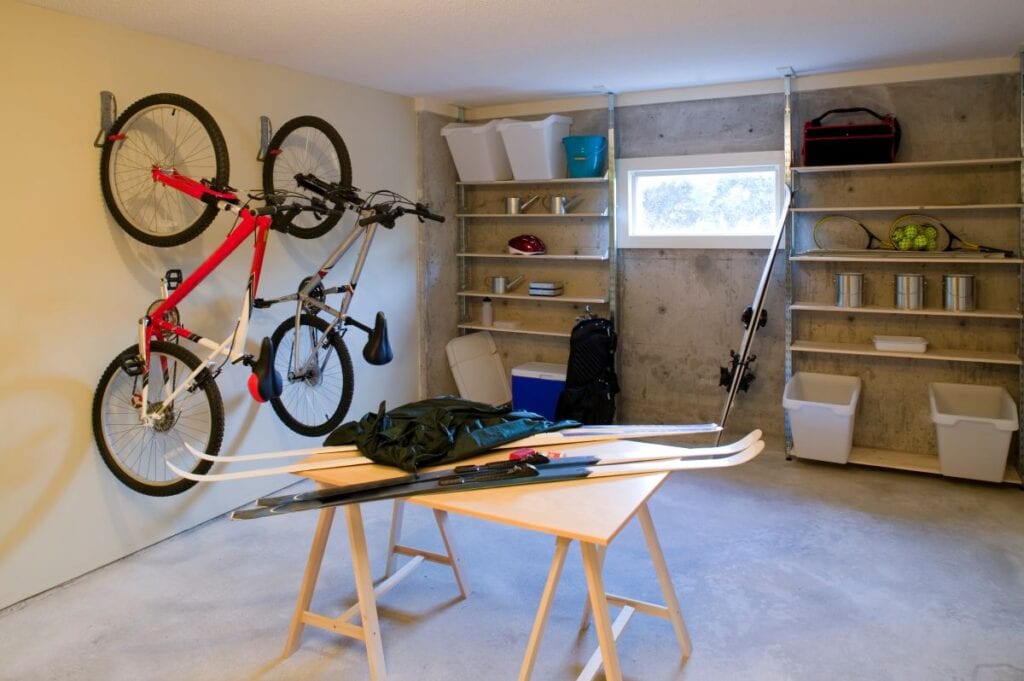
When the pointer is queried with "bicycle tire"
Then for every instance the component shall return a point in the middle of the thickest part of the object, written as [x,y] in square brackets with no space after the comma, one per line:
[307,144]
[173,132]
[117,429]
[310,406]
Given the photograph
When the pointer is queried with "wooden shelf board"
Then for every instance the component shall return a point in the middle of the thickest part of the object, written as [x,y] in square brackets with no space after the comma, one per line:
[878,309]
[557,181]
[910,461]
[905,209]
[591,300]
[920,259]
[974,356]
[530,216]
[476,326]
[908,165]
[546,256]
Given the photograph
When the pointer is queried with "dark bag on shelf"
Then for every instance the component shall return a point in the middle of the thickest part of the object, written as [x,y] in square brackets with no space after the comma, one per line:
[852,143]
[590,380]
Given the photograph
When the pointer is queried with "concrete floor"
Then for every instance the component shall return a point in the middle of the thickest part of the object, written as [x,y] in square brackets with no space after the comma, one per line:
[785,570]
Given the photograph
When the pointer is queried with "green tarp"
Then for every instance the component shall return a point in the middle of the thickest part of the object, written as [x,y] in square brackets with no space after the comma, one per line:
[438,431]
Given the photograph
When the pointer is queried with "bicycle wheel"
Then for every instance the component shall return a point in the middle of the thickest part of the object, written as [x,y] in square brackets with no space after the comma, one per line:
[306,145]
[317,392]
[173,133]
[136,452]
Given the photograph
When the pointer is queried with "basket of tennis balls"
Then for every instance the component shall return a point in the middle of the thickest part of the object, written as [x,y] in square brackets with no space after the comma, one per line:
[914,233]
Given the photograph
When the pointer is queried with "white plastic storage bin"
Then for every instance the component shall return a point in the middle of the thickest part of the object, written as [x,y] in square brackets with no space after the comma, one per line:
[973,424]
[536,387]
[478,151]
[535,147]
[821,409]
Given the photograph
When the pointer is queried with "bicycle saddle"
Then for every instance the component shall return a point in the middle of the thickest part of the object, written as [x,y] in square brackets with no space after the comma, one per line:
[265,383]
[377,349]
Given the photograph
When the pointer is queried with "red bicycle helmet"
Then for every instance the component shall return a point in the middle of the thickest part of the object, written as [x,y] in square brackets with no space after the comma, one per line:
[526,244]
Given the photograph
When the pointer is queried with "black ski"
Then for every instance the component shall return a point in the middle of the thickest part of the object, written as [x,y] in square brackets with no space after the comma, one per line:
[735,377]
[531,470]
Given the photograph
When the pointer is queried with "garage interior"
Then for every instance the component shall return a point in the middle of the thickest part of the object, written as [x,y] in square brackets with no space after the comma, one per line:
[785,567]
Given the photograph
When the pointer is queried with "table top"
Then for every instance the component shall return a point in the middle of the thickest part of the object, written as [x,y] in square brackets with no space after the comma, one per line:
[592,511]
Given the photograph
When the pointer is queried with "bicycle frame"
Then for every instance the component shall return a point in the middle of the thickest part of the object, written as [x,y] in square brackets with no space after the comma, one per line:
[306,300]
[154,327]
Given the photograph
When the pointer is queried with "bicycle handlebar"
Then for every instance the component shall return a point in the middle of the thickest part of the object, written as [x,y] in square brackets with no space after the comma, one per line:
[386,214]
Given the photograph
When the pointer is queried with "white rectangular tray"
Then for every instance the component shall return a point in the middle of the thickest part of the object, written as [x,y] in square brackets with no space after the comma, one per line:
[900,343]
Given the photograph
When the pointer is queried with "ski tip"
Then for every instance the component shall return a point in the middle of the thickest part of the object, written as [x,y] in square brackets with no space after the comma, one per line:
[185,474]
[193,451]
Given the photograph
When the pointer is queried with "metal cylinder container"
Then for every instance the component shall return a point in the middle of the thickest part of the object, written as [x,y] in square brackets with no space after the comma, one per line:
[909,291]
[849,289]
[958,292]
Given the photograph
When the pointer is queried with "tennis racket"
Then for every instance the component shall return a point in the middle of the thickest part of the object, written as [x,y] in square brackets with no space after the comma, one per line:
[916,232]
[843,233]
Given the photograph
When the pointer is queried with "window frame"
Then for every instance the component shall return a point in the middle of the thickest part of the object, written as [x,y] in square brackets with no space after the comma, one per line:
[627,167]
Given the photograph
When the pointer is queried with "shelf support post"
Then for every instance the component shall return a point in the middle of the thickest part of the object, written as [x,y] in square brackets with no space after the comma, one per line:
[1020,276]
[788,74]
[613,252]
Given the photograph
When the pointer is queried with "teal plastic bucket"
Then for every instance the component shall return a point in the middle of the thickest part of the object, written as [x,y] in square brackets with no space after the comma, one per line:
[585,155]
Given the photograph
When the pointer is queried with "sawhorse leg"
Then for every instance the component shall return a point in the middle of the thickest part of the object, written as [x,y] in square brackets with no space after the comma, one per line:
[450,557]
[369,629]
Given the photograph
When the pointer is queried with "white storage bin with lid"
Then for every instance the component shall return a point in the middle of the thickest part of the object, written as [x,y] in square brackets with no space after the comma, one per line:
[973,424]
[535,147]
[821,408]
[478,151]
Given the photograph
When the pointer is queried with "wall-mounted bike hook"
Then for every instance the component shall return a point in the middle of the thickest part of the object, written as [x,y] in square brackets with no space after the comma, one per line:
[108,112]
[265,131]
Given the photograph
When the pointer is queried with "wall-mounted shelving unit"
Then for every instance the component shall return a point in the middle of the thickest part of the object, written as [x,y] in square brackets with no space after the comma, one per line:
[580,252]
[981,197]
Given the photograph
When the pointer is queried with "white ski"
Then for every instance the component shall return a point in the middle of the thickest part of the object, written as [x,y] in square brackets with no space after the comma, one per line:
[303,467]
[571,435]
[527,474]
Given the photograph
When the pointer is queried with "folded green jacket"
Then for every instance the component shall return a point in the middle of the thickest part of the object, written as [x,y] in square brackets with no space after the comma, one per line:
[438,431]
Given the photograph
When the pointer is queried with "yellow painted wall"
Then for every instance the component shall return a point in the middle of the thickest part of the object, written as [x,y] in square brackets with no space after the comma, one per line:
[72,284]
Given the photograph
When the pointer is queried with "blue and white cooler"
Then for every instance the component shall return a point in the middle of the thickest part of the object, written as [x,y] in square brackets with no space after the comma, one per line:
[536,387]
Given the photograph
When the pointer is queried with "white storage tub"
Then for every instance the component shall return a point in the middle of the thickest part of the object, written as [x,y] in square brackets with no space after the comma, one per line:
[973,424]
[478,151]
[535,148]
[821,408]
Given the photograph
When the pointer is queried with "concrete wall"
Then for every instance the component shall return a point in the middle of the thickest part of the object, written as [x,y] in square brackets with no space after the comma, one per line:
[679,309]
[73,284]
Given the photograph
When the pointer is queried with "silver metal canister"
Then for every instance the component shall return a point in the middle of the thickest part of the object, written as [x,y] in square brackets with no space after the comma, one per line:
[909,291]
[958,292]
[849,289]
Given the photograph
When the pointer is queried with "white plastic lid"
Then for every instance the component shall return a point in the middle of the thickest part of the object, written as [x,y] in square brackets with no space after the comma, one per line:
[545,370]
[542,123]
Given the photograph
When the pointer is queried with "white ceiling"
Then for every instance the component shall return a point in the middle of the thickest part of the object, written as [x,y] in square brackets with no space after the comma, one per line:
[476,52]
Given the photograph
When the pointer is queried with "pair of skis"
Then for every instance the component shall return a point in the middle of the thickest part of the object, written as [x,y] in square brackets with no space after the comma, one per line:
[348,455]
[535,468]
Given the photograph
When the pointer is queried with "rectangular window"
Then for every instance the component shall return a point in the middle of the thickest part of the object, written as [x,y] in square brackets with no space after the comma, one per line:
[700,201]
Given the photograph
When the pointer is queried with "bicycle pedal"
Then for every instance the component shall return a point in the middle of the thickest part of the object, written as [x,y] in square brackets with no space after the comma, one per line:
[173,278]
[133,366]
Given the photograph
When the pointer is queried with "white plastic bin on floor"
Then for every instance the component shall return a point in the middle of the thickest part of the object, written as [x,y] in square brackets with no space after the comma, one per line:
[478,151]
[973,424]
[821,408]
[535,148]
